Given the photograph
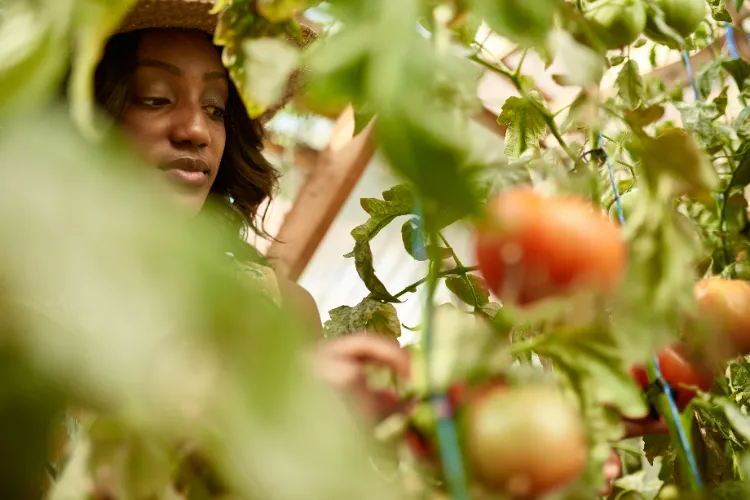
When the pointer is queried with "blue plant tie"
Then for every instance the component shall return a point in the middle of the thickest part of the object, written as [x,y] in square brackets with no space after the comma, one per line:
[448,446]
[663,383]
[689,68]
[731,43]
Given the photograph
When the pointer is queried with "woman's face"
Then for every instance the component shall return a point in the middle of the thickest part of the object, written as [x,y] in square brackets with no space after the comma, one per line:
[175,117]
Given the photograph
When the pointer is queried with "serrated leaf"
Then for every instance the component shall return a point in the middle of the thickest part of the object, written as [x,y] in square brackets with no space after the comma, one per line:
[397,201]
[526,125]
[364,264]
[369,315]
[470,288]
[698,117]
[630,86]
[738,420]
[739,69]
[719,11]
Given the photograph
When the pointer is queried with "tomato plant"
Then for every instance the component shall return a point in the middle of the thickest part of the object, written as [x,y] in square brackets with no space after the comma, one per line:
[535,246]
[124,314]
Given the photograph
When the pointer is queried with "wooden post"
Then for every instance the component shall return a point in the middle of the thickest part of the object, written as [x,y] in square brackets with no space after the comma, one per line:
[327,187]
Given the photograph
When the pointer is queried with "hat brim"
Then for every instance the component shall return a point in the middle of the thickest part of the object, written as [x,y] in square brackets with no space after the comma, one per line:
[196,15]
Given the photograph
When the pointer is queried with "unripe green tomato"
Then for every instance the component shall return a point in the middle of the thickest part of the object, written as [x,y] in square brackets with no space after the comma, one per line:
[628,201]
[617,22]
[683,16]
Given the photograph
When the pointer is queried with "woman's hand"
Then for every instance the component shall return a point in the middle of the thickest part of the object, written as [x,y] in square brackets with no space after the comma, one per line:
[341,363]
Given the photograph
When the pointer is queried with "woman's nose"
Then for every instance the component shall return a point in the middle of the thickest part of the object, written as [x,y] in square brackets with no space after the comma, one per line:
[190,126]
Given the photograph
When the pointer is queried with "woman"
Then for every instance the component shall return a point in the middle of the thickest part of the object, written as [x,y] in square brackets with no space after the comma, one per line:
[162,80]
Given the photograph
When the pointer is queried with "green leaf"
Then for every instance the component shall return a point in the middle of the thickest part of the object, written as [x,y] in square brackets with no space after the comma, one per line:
[630,86]
[397,201]
[719,11]
[363,115]
[523,22]
[738,420]
[677,153]
[657,445]
[741,175]
[698,118]
[739,69]
[364,264]
[602,364]
[721,101]
[470,288]
[708,76]
[369,315]
[280,10]
[414,240]
[268,63]
[640,117]
[742,124]
[526,125]
[95,21]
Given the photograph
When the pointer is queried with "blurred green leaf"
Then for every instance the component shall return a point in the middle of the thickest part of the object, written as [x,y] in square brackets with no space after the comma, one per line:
[739,69]
[268,63]
[397,201]
[742,124]
[630,86]
[640,117]
[369,315]
[741,175]
[698,118]
[94,22]
[280,10]
[413,240]
[708,76]
[364,264]
[526,125]
[470,288]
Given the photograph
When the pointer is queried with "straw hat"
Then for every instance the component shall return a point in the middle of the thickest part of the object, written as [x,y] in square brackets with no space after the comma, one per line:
[195,14]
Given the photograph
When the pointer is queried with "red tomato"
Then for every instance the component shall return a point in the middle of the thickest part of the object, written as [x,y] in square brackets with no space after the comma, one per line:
[533,246]
[524,441]
[677,369]
[725,304]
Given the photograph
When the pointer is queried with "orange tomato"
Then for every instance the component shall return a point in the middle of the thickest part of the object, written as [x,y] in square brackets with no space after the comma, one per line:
[532,246]
[725,305]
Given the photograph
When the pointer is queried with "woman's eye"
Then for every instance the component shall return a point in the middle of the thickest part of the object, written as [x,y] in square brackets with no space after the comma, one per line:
[215,112]
[154,102]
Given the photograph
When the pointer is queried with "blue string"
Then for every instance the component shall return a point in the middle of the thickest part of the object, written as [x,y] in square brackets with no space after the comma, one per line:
[667,390]
[689,68]
[448,445]
[731,44]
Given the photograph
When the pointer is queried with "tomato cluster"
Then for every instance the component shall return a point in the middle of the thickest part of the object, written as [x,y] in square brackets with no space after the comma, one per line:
[617,23]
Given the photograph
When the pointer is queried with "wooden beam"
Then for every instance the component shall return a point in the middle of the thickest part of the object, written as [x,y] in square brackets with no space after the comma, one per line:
[319,200]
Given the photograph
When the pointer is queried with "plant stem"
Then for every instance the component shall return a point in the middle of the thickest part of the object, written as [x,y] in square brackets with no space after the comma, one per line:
[685,457]
[442,274]
[460,265]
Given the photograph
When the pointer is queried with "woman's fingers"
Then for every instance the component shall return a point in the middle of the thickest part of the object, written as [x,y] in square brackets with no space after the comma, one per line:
[644,427]
[364,347]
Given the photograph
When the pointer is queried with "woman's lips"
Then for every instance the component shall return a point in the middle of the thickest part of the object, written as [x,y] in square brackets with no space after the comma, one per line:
[188,171]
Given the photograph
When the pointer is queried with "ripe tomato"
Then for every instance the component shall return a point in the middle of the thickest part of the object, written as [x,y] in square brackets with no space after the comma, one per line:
[683,16]
[524,441]
[677,369]
[725,304]
[617,22]
[534,246]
